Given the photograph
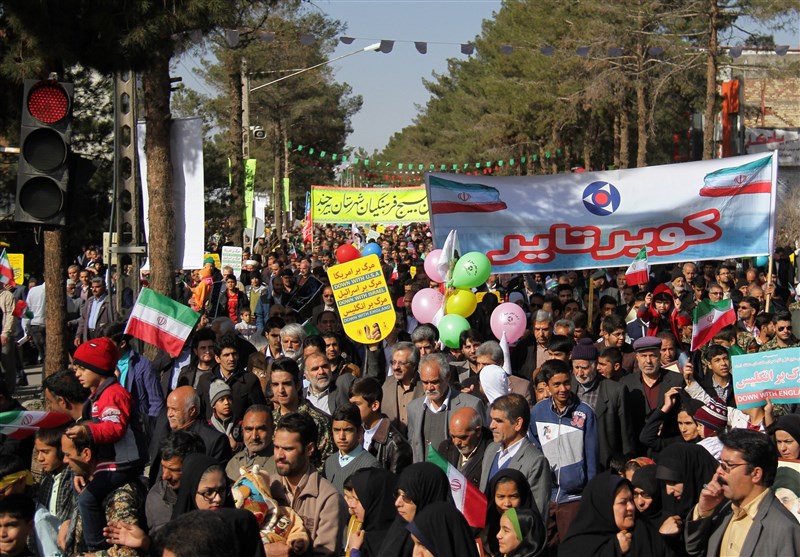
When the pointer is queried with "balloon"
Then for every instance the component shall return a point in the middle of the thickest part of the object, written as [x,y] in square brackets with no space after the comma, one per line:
[431,261]
[347,252]
[472,269]
[761,261]
[450,328]
[425,304]
[371,248]
[508,318]
[462,302]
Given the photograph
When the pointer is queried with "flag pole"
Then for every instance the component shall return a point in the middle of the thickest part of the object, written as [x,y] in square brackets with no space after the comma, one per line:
[591,300]
[771,241]
[768,294]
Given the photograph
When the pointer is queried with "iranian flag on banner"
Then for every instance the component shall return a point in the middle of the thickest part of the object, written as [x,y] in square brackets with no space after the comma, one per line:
[469,499]
[709,318]
[639,271]
[161,321]
[6,271]
[19,424]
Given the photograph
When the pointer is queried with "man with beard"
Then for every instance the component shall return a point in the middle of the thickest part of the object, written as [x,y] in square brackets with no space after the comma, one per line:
[292,337]
[402,386]
[469,341]
[467,443]
[783,333]
[323,393]
[257,429]
[301,487]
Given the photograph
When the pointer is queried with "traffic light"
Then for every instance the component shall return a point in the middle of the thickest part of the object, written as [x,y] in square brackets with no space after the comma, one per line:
[43,175]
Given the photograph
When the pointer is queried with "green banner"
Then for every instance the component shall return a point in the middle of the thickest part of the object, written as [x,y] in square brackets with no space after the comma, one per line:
[249,188]
[286,194]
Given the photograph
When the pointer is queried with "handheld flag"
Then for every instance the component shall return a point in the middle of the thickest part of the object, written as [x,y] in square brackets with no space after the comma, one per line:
[161,321]
[709,318]
[639,271]
[469,499]
[19,424]
[6,271]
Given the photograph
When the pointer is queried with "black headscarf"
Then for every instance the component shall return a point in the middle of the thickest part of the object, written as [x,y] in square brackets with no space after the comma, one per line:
[245,528]
[492,515]
[444,531]
[594,530]
[645,479]
[790,423]
[194,466]
[423,483]
[691,465]
[375,489]
[534,534]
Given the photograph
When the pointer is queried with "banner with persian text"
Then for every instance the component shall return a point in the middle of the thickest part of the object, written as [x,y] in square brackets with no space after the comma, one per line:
[773,374]
[368,205]
[680,212]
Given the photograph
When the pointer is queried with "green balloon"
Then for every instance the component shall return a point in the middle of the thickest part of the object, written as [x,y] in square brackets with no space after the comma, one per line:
[472,269]
[450,329]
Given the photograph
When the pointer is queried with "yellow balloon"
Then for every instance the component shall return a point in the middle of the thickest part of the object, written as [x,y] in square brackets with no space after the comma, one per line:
[462,302]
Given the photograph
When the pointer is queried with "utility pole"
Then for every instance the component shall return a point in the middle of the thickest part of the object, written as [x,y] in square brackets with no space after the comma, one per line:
[245,111]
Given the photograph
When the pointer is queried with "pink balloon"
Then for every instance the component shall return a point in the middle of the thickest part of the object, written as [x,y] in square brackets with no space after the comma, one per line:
[431,261]
[508,318]
[425,304]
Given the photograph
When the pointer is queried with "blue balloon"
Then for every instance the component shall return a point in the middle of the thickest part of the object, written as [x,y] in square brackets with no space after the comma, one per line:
[371,248]
[761,261]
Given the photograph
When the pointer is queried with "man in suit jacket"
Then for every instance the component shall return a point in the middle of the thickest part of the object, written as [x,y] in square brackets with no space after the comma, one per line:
[402,386]
[647,388]
[511,416]
[737,509]
[529,353]
[97,312]
[608,399]
[429,415]
[467,443]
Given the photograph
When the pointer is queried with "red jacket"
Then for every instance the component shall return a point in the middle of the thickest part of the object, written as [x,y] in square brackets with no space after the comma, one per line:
[112,429]
[650,315]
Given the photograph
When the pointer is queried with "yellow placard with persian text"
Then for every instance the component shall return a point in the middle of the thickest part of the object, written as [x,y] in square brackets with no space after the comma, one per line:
[361,294]
[368,205]
[17,262]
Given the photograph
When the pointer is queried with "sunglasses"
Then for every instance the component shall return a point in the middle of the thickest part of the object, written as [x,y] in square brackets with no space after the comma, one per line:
[786,328]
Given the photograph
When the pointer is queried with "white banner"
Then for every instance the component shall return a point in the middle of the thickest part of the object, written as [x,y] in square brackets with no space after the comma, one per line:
[186,143]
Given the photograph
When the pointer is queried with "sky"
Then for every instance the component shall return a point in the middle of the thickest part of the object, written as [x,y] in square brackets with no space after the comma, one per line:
[391,84]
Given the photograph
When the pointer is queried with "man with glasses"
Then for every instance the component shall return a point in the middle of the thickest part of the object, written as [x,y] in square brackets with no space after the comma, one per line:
[784,338]
[402,386]
[725,278]
[754,522]
[747,311]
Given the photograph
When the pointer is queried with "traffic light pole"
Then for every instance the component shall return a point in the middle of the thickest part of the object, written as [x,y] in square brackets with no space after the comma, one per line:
[127,187]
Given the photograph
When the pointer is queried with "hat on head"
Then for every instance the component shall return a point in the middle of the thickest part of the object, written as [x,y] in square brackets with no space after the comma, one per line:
[599,273]
[713,414]
[251,262]
[217,390]
[99,355]
[683,320]
[208,260]
[647,343]
[584,350]
[516,296]
[676,273]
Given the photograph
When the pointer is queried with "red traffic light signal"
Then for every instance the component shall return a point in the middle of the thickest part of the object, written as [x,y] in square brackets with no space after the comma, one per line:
[43,174]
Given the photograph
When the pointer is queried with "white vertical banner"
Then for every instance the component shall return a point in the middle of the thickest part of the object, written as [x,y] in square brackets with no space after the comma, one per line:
[186,143]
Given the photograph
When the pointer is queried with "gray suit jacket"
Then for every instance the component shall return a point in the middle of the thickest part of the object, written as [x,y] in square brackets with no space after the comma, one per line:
[532,463]
[416,409]
[774,532]
[389,403]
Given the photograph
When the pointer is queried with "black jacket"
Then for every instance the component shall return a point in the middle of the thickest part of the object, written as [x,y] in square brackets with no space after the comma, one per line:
[245,391]
[390,447]
[472,470]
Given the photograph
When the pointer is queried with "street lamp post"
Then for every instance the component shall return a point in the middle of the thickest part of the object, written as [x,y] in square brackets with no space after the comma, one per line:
[278,193]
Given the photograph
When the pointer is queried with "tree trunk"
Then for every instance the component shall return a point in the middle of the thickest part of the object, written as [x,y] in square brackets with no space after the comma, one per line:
[161,236]
[711,81]
[624,137]
[55,357]
[641,124]
[233,65]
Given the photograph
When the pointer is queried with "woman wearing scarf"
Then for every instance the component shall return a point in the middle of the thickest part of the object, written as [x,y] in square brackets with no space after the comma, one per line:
[787,436]
[522,533]
[418,486]
[441,530]
[606,524]
[647,494]
[508,489]
[373,508]
[204,486]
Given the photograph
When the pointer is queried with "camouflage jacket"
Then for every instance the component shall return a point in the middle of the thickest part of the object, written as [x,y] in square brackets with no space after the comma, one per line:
[772,344]
[325,445]
[746,341]
[125,504]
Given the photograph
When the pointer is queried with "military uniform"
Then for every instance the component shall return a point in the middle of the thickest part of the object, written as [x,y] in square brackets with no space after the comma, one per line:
[772,344]
[746,341]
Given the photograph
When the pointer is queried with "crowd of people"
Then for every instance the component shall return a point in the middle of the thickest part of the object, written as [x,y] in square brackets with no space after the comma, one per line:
[599,432]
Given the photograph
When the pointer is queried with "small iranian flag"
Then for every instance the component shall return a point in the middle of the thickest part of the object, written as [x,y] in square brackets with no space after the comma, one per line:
[19,424]
[469,499]
[639,270]
[709,318]
[161,321]
[6,271]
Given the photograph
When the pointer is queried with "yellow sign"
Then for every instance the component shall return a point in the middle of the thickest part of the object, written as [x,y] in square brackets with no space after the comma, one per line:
[17,262]
[215,257]
[365,306]
[479,296]
[368,205]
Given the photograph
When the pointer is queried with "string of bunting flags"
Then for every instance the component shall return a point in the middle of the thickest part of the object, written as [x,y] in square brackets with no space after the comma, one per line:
[316,157]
